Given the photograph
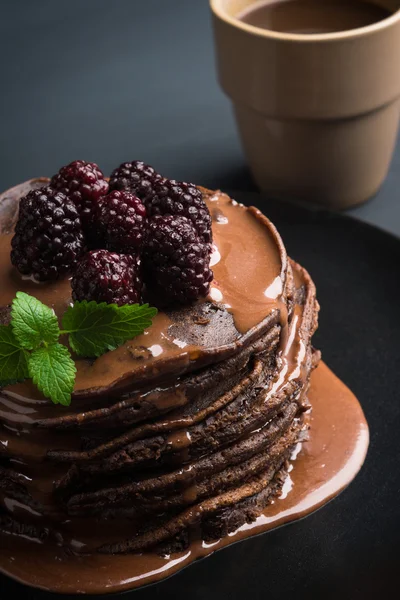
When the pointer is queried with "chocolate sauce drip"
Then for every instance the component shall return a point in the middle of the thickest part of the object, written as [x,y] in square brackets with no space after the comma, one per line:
[181,436]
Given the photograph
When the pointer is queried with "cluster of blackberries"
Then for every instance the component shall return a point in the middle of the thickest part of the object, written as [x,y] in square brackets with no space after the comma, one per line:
[137,234]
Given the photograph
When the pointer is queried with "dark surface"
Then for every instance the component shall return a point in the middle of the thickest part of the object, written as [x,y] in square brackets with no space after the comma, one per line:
[348,549]
[116,81]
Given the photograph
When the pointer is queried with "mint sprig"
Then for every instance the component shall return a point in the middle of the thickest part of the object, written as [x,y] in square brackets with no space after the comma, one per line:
[33,322]
[13,358]
[96,328]
[53,371]
[30,347]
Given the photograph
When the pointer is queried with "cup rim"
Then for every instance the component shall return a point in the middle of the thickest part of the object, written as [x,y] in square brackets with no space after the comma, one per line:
[216,7]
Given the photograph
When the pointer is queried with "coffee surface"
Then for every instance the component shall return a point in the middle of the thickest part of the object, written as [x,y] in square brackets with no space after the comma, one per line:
[313,16]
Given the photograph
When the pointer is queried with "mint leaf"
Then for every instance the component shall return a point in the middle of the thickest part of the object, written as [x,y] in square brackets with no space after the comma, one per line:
[33,322]
[95,328]
[53,372]
[29,346]
[13,363]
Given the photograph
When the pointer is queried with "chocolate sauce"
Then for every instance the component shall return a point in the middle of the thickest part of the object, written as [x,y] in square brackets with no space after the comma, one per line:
[324,466]
[249,288]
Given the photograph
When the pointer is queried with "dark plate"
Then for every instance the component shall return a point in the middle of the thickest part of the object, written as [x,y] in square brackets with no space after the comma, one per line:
[350,548]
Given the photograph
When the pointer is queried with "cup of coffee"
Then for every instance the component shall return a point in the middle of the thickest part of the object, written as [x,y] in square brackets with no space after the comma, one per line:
[315,86]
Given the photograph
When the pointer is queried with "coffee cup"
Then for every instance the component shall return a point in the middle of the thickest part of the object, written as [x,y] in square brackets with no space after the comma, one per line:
[317,113]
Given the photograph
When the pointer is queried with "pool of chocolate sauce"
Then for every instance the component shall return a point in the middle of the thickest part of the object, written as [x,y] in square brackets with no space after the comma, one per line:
[324,466]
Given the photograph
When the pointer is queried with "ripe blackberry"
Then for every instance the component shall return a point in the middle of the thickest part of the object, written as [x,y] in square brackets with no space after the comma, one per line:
[178,198]
[122,221]
[176,261]
[48,237]
[136,177]
[84,184]
[105,276]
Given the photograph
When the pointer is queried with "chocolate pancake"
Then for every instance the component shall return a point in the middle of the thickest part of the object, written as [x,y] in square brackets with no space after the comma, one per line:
[186,431]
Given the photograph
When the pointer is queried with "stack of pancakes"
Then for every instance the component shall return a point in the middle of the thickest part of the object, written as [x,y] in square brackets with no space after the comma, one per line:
[184,433]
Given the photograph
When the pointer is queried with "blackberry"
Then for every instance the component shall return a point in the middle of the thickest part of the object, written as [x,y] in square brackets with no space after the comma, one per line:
[185,199]
[105,276]
[48,237]
[136,177]
[122,221]
[84,184]
[176,261]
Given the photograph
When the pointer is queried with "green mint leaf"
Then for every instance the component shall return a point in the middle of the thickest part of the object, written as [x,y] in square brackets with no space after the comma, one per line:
[53,372]
[33,322]
[95,328]
[13,363]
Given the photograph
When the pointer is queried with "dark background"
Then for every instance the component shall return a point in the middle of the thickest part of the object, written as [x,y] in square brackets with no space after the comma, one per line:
[111,81]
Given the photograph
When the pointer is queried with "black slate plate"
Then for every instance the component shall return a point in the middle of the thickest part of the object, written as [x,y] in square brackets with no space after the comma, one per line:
[348,550]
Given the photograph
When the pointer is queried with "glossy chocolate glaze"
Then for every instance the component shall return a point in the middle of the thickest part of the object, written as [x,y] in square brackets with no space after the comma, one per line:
[253,291]
[237,231]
